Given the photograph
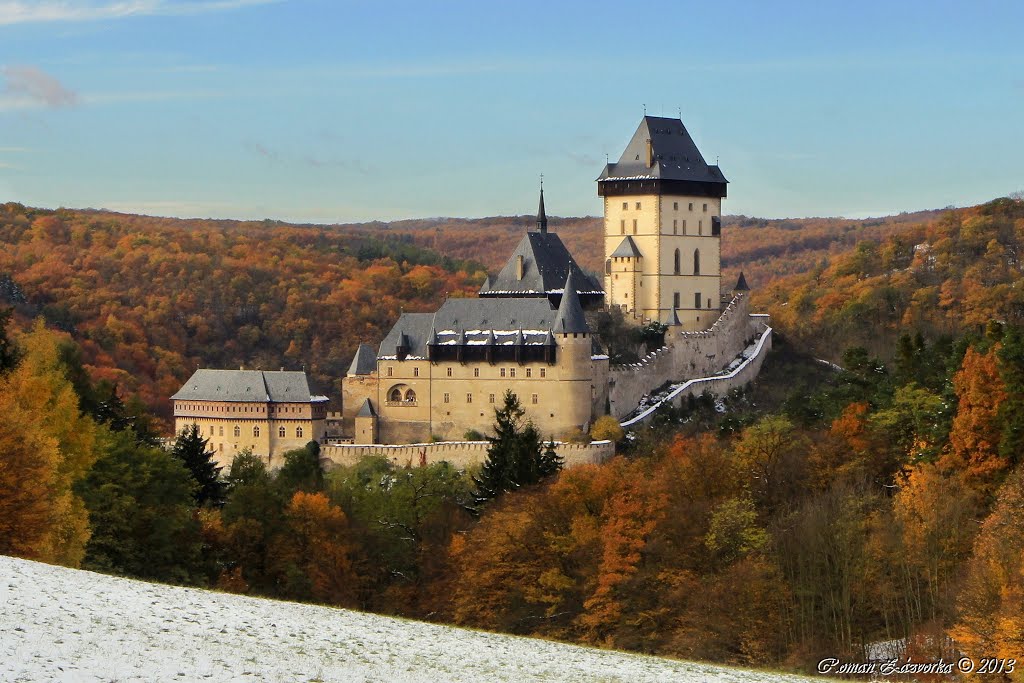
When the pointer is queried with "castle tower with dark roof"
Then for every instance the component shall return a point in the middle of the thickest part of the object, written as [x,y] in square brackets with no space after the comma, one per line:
[662,227]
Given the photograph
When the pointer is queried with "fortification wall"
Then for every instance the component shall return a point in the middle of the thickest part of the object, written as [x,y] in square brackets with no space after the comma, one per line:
[718,385]
[685,355]
[458,453]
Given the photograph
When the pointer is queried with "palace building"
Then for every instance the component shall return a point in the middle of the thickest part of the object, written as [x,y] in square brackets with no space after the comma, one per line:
[439,376]
[269,412]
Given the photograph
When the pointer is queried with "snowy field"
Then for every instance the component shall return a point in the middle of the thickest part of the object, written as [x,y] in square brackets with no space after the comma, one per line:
[60,624]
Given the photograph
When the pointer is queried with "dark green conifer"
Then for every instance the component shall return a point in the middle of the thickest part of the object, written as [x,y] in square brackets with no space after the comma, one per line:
[193,451]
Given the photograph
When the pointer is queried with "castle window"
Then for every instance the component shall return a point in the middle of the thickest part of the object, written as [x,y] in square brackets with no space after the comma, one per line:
[700,227]
[625,206]
[449,372]
[395,396]
[543,373]
[390,370]
[533,399]
[502,372]
[469,398]
[298,432]
[221,448]
[638,206]
[709,303]
[675,206]
[625,295]
[220,431]
[696,300]
[211,430]
[511,372]
[634,226]
[529,373]
[622,226]
[410,396]
[476,372]
[238,431]
[280,432]
[256,432]
[675,226]
[705,208]
[696,261]
[608,266]
[684,226]
[415,372]
[490,398]
[691,206]
[675,300]
[447,398]
[675,263]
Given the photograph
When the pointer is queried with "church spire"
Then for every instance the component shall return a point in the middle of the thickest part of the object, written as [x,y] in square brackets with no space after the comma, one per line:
[542,217]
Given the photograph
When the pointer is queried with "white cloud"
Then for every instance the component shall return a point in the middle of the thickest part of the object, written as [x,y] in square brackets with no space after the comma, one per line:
[29,87]
[23,12]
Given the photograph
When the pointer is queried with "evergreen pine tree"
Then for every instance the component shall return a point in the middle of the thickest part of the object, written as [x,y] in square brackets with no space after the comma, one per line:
[515,456]
[192,450]
[550,461]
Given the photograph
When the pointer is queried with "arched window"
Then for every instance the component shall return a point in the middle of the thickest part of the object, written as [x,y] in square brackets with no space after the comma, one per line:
[396,395]
[696,261]
[280,432]
[256,432]
[410,395]
[298,432]
[676,268]
[238,431]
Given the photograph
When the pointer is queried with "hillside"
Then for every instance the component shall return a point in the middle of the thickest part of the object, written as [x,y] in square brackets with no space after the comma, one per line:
[70,625]
[150,299]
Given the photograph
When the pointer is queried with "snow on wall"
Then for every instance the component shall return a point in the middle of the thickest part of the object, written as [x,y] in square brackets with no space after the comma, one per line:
[458,453]
[740,374]
[685,355]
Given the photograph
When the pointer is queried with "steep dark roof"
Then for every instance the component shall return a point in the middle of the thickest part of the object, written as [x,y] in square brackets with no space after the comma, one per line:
[627,249]
[542,216]
[741,284]
[247,385]
[671,318]
[675,155]
[364,362]
[570,316]
[366,410]
[546,264]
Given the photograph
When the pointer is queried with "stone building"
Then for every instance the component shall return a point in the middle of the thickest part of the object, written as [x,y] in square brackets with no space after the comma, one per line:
[437,376]
[663,227]
[270,412]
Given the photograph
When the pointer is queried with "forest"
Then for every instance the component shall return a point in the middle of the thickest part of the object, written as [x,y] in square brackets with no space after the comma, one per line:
[823,512]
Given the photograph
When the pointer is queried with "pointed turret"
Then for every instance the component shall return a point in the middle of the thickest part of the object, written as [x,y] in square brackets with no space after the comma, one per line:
[570,318]
[542,217]
[364,362]
[741,284]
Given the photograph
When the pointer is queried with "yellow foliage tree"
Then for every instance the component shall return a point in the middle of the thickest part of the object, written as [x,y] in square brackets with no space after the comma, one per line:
[47,445]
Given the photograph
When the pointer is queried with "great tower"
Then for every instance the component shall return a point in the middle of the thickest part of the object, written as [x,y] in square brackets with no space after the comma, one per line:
[663,227]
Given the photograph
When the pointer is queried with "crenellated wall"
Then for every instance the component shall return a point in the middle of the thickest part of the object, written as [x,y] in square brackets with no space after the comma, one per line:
[685,355]
[744,373]
[458,453]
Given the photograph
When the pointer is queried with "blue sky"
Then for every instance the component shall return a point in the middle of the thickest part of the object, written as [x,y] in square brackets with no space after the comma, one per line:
[333,111]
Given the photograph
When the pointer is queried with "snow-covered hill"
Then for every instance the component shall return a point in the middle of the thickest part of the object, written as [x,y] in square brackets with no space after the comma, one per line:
[60,624]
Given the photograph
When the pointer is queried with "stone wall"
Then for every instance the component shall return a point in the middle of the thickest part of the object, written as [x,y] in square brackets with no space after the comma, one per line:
[458,453]
[717,385]
[685,355]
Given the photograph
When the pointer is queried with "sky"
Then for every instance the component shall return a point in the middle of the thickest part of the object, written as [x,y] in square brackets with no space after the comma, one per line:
[332,111]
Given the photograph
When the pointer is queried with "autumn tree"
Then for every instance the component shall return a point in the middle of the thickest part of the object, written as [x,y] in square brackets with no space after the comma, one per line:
[991,601]
[318,545]
[51,447]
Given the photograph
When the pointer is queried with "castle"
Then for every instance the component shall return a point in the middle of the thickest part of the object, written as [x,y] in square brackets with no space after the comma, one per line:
[437,377]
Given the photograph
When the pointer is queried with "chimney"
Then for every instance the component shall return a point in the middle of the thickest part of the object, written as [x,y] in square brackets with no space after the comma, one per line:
[650,154]
[520,267]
